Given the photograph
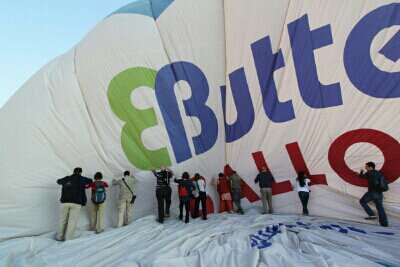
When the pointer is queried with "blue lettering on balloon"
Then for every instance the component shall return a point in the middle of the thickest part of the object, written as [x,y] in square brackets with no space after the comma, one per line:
[195,106]
[304,42]
[243,103]
[266,64]
[360,69]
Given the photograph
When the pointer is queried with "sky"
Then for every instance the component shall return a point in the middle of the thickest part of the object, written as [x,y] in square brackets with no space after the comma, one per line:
[33,32]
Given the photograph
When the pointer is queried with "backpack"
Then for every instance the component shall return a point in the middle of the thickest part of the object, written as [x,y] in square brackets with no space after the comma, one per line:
[99,193]
[380,183]
[70,191]
[182,191]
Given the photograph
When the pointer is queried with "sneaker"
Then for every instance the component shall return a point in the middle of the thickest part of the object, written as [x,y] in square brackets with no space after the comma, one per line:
[371,217]
[167,215]
[230,212]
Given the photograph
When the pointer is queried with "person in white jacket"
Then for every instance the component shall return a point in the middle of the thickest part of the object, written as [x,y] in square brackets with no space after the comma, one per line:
[200,196]
[126,185]
[302,187]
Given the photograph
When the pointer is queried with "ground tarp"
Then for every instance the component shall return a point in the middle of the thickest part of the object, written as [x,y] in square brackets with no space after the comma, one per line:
[222,240]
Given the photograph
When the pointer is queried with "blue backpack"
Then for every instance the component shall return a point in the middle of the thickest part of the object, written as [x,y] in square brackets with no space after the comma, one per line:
[99,194]
[380,183]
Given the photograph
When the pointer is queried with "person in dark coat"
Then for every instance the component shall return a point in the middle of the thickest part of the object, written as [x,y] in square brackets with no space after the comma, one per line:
[73,197]
[185,189]
[163,192]
[373,195]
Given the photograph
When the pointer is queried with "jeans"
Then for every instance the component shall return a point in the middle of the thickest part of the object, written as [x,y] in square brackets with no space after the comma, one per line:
[236,198]
[203,198]
[377,197]
[183,203]
[163,194]
[304,196]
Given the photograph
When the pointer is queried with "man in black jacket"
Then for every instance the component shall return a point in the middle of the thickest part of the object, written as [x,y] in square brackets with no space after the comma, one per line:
[373,195]
[73,197]
[265,178]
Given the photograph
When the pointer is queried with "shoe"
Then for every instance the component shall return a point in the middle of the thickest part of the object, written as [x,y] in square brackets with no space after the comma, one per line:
[205,219]
[371,217]
[230,212]
[187,221]
[241,212]
[99,232]
[167,215]
[160,221]
[181,217]
[60,239]
[263,213]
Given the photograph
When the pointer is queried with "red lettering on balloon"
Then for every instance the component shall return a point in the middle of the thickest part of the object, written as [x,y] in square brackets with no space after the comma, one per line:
[389,147]
[299,164]
[277,188]
[247,191]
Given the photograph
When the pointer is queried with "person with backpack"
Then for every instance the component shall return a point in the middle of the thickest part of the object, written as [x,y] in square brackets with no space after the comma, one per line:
[126,198]
[236,181]
[301,186]
[376,185]
[265,178]
[163,192]
[224,190]
[200,195]
[185,188]
[71,200]
[98,203]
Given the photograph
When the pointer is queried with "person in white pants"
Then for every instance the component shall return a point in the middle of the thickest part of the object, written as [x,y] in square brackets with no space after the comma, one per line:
[126,186]
[69,215]
[98,205]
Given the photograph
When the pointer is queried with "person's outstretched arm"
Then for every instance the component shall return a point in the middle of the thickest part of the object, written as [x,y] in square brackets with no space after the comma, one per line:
[363,175]
[272,176]
[87,180]
[61,181]
[115,182]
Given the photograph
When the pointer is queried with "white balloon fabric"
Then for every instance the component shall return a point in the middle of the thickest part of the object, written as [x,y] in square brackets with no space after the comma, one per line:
[305,85]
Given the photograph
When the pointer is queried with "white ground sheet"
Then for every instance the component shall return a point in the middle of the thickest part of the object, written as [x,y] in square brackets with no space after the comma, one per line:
[222,240]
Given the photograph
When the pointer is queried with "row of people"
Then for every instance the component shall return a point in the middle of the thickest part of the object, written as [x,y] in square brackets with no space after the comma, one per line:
[376,186]
[73,198]
[187,188]
[229,188]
